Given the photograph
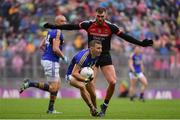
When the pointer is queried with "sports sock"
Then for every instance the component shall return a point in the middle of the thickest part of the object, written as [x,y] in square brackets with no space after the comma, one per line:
[106,101]
[90,106]
[40,85]
[52,100]
[105,104]
[141,95]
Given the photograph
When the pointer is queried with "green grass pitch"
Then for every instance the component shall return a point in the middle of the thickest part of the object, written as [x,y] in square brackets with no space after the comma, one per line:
[76,109]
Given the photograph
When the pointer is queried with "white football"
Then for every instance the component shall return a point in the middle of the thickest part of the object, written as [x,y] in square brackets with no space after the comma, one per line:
[87,71]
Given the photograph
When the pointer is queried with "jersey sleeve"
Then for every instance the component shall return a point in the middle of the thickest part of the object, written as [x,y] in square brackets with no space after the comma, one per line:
[61,36]
[84,25]
[55,34]
[81,58]
[115,29]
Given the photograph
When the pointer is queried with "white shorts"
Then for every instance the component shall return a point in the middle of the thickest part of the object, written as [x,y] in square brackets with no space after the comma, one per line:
[139,75]
[51,70]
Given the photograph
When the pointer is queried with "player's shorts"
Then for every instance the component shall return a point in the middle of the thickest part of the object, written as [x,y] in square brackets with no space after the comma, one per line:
[104,59]
[51,70]
[138,75]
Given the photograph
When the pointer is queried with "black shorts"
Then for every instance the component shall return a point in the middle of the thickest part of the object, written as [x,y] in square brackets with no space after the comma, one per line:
[104,59]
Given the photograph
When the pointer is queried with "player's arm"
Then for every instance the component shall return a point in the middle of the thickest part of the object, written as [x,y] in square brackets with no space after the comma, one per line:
[42,45]
[82,25]
[129,38]
[130,64]
[142,66]
[56,44]
[62,27]
[76,73]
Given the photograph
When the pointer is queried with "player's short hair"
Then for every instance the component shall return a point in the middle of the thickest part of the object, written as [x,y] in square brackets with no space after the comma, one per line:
[100,10]
[93,42]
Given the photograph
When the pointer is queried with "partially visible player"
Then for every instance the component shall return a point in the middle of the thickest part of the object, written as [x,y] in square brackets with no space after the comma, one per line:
[136,73]
[52,48]
[85,58]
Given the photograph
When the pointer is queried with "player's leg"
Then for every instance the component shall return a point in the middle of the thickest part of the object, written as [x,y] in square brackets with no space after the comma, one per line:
[132,88]
[29,83]
[47,65]
[110,75]
[91,88]
[144,82]
[53,89]
[54,81]
[84,94]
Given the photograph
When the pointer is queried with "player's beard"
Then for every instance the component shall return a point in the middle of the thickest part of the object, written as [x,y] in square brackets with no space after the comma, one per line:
[100,22]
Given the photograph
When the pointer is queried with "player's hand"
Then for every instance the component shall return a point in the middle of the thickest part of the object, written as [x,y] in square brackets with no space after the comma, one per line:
[65,59]
[147,43]
[88,79]
[48,25]
[135,74]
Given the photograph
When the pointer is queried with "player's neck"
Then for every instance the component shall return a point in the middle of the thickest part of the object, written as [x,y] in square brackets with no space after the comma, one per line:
[92,55]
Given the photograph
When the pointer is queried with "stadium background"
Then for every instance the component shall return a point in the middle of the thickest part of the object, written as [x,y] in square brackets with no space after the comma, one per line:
[21,32]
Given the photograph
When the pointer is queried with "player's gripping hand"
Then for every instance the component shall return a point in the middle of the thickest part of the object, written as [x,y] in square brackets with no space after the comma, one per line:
[135,75]
[48,25]
[147,43]
[65,59]
[89,79]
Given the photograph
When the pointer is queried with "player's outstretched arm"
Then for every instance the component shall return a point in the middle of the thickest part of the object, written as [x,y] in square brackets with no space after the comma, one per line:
[144,43]
[62,27]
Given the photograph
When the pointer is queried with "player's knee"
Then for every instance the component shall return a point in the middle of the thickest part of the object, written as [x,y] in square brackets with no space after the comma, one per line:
[82,88]
[112,82]
[93,95]
[53,88]
[145,84]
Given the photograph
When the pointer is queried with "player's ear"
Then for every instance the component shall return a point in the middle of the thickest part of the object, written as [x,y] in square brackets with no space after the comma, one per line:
[90,47]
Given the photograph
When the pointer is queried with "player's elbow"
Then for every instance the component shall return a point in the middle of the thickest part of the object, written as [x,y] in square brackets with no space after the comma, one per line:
[74,74]
[55,49]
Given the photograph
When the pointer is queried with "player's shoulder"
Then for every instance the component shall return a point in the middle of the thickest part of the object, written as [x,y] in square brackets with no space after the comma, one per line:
[110,23]
[131,55]
[81,53]
[53,31]
[88,21]
[84,51]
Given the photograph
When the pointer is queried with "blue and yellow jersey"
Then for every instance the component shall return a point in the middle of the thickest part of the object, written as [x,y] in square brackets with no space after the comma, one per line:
[83,59]
[48,53]
[137,59]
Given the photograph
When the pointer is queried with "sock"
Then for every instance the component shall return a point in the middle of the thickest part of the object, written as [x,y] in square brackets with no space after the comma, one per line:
[90,106]
[52,100]
[132,96]
[141,95]
[40,85]
[104,106]
[106,102]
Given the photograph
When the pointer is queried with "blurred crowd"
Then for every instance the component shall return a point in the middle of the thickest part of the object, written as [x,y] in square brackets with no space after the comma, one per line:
[21,27]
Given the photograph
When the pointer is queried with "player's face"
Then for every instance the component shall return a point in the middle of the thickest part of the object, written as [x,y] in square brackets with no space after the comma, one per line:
[137,50]
[100,18]
[61,20]
[97,49]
